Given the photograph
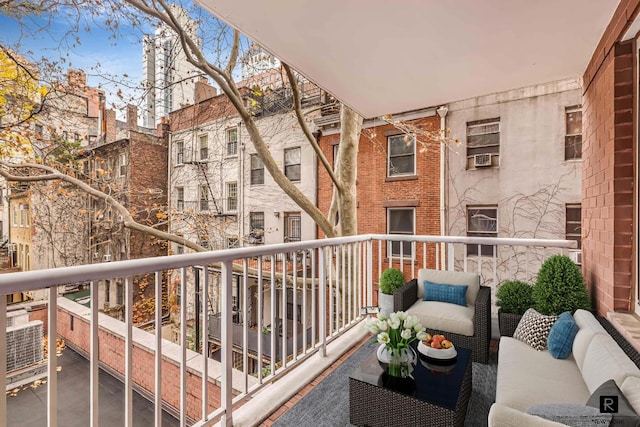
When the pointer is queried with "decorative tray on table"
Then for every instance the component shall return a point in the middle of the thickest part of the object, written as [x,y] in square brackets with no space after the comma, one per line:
[437,350]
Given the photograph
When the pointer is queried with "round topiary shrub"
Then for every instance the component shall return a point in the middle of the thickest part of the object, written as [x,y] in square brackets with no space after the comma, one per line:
[514,296]
[390,280]
[560,287]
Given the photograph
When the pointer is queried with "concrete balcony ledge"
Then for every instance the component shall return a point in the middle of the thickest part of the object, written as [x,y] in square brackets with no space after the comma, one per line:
[275,395]
[628,324]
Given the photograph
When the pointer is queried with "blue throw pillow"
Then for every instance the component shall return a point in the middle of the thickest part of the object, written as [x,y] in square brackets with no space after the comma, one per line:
[454,294]
[561,335]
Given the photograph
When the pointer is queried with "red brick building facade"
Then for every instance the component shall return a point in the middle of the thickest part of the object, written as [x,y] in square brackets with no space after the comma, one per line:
[387,200]
[610,163]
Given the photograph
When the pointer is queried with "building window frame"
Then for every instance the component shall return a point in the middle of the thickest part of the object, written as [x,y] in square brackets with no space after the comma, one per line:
[573,133]
[483,143]
[122,164]
[180,198]
[480,223]
[203,196]
[292,227]
[203,140]
[398,226]
[179,152]
[292,162]
[397,156]
[231,189]
[573,223]
[256,228]
[232,141]
[257,170]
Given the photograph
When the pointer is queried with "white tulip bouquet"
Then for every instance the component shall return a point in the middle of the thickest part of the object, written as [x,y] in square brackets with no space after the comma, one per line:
[397,331]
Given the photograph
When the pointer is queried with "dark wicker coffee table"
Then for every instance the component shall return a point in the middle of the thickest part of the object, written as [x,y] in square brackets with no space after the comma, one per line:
[431,397]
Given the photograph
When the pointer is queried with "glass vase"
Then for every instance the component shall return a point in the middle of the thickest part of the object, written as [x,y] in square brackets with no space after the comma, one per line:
[399,362]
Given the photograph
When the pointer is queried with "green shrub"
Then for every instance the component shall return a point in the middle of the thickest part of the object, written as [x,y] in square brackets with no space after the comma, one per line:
[390,280]
[560,287]
[514,297]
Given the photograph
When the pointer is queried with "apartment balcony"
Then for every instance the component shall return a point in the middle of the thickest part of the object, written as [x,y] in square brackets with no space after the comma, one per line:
[255,325]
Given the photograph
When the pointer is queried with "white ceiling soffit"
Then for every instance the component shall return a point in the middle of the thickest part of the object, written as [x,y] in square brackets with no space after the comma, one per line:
[390,56]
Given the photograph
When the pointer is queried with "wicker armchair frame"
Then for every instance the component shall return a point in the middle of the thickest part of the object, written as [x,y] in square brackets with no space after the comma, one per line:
[407,295]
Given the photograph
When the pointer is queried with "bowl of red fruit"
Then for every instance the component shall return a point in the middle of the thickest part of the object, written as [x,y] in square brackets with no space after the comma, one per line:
[437,347]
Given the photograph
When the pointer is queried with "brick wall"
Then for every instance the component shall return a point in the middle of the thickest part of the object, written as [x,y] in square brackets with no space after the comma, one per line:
[376,192]
[608,168]
[112,357]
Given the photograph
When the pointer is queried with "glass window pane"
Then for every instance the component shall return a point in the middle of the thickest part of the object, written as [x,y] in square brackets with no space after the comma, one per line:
[292,156]
[401,221]
[574,122]
[401,165]
[401,144]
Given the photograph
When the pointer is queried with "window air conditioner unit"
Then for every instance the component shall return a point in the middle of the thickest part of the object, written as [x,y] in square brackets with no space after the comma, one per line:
[482,160]
[96,255]
[576,256]
[119,218]
[106,225]
[106,257]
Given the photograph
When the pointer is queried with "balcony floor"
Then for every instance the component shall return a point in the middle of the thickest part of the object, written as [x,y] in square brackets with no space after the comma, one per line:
[313,406]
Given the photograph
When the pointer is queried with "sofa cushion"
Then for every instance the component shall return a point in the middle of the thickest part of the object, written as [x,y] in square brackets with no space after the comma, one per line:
[527,377]
[605,360]
[443,316]
[453,294]
[472,280]
[504,416]
[571,414]
[589,327]
[603,398]
[561,335]
[534,328]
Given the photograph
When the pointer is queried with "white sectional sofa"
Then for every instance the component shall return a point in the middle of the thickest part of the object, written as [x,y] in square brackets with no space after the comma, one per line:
[529,377]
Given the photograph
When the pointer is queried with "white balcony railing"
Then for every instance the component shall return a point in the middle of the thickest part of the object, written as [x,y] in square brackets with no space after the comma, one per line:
[265,309]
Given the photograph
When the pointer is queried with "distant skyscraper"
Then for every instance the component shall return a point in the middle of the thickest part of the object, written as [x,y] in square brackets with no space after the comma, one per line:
[169,77]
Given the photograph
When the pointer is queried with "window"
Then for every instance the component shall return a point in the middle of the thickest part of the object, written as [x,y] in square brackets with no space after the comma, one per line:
[483,143]
[573,224]
[482,222]
[122,162]
[232,142]
[15,216]
[93,139]
[573,136]
[204,147]
[292,163]
[107,291]
[65,136]
[336,148]
[400,221]
[178,294]
[120,294]
[179,152]
[293,227]
[204,198]
[76,137]
[232,242]
[257,170]
[39,129]
[402,155]
[179,198]
[256,228]
[232,196]
[179,247]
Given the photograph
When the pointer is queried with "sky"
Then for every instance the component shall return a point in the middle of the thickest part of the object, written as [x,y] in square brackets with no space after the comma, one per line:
[116,57]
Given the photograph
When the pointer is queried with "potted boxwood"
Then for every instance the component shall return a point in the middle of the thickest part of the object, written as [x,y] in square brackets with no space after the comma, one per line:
[513,298]
[560,287]
[390,280]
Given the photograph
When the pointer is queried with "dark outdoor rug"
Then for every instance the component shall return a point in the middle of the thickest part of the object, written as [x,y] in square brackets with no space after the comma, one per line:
[328,403]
